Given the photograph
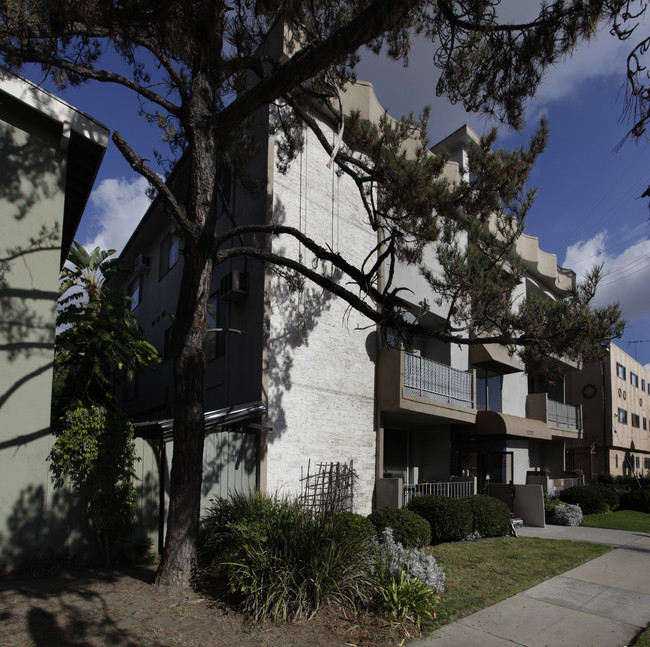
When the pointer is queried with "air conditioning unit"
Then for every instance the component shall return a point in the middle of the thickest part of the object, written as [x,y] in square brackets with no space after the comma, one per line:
[141,264]
[234,286]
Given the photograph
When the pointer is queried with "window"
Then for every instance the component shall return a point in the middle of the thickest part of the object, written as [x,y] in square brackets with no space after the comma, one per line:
[645,424]
[168,253]
[634,379]
[130,389]
[646,463]
[620,370]
[622,416]
[215,341]
[167,347]
[638,462]
[135,292]
[488,390]
[643,385]
[636,421]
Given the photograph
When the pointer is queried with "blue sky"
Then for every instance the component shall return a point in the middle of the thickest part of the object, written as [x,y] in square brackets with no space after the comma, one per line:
[587,209]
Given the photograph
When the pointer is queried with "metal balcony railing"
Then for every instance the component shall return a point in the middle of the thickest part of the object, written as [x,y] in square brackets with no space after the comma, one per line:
[434,381]
[562,415]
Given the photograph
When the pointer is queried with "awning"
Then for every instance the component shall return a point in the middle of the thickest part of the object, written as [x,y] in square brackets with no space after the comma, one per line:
[501,424]
[490,354]
[214,420]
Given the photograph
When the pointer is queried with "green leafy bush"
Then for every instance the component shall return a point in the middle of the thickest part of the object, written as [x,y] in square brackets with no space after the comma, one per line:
[96,452]
[280,562]
[592,499]
[636,499]
[605,478]
[550,503]
[450,519]
[409,528]
[490,516]
[357,526]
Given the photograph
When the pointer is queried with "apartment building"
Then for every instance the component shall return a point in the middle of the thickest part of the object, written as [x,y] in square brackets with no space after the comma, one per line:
[332,386]
[615,397]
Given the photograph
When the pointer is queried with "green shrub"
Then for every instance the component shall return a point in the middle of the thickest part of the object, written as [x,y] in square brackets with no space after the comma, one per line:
[550,503]
[356,525]
[490,516]
[592,499]
[280,562]
[625,480]
[636,499]
[605,478]
[450,519]
[409,528]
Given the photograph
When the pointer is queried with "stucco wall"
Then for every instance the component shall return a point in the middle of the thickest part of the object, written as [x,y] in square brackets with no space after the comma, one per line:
[321,354]
[32,175]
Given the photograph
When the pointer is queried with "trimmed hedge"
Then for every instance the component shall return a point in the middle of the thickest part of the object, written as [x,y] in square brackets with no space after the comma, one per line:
[592,499]
[356,525]
[491,516]
[409,528]
[450,519]
[636,499]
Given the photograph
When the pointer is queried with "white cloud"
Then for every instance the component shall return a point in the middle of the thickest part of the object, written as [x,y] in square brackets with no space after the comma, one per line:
[116,207]
[600,58]
[626,273]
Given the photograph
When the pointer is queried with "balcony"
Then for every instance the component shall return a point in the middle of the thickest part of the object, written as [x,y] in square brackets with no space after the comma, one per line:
[434,381]
[565,419]
[412,383]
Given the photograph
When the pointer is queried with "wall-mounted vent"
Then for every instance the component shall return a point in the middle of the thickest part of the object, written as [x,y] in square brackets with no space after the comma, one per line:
[234,286]
[141,264]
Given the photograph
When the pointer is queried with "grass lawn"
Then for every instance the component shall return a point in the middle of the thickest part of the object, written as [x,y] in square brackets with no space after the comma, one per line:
[619,520]
[481,573]
[643,639]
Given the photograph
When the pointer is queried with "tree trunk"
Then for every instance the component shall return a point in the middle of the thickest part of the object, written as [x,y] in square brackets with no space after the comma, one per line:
[178,562]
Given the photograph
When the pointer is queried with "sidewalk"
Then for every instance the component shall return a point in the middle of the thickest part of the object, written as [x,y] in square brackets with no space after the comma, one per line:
[603,603]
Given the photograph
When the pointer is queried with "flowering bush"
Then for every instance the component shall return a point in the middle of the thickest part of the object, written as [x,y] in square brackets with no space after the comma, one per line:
[565,514]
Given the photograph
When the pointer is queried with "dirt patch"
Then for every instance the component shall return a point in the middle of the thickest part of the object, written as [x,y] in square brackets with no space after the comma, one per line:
[122,609]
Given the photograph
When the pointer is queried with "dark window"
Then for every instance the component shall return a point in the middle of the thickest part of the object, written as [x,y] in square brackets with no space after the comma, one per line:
[643,385]
[620,370]
[636,421]
[168,253]
[130,389]
[622,416]
[645,424]
[488,390]
[634,379]
[167,348]
[135,292]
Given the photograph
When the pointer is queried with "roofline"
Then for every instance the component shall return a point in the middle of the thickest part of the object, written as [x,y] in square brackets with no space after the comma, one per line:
[52,106]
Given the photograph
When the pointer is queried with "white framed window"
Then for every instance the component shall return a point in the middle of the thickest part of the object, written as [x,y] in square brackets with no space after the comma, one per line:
[622,416]
[620,370]
[634,379]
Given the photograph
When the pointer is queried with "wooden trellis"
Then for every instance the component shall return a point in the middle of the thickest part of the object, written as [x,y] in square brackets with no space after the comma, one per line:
[330,487]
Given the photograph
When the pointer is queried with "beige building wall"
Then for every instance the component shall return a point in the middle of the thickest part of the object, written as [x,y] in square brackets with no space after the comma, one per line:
[321,353]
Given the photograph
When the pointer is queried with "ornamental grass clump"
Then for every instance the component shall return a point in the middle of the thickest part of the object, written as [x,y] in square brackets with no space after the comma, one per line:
[566,514]
[280,562]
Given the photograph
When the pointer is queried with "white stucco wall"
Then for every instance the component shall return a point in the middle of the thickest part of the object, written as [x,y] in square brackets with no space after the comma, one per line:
[321,353]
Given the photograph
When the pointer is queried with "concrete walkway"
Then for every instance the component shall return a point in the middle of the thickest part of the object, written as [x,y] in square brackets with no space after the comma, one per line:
[603,603]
